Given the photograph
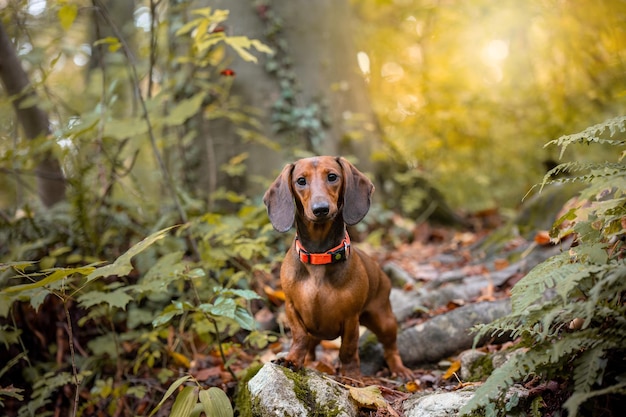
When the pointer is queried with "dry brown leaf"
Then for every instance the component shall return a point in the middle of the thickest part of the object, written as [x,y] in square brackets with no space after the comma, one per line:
[206,373]
[542,238]
[500,263]
[413,386]
[368,397]
[275,296]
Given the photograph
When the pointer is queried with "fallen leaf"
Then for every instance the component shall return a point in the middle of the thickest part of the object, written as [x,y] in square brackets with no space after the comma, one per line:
[368,397]
[413,386]
[454,366]
[487,293]
[323,367]
[206,373]
[331,344]
[275,296]
[180,359]
[542,238]
[500,263]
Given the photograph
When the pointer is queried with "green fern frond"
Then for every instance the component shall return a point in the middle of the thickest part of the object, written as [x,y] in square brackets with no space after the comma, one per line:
[498,382]
[530,289]
[595,172]
[578,398]
[522,364]
[593,134]
[589,369]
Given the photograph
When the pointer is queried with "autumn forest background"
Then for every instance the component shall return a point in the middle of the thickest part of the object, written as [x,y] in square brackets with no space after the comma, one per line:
[137,138]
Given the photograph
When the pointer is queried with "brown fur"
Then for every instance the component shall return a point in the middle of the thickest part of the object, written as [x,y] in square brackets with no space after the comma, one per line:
[321,195]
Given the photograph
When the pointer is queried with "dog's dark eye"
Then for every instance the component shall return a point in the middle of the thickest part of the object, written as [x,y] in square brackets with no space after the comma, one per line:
[301,181]
[332,177]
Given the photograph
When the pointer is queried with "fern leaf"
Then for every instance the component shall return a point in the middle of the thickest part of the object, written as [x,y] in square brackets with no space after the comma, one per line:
[593,134]
[595,171]
[530,289]
[578,398]
[589,369]
[497,383]
[576,342]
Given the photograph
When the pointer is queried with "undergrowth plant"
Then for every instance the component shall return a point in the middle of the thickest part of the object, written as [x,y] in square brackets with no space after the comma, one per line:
[569,313]
[97,316]
[209,299]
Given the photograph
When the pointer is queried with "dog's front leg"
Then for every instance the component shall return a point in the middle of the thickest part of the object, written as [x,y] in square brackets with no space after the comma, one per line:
[349,350]
[301,340]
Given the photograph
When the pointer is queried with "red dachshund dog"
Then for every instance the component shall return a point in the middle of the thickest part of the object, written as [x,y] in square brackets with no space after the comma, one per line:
[330,287]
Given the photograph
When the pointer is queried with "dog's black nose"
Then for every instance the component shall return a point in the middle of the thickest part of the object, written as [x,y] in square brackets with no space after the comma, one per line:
[321,209]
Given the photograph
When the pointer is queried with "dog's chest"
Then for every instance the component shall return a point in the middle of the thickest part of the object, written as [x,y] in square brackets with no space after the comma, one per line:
[324,300]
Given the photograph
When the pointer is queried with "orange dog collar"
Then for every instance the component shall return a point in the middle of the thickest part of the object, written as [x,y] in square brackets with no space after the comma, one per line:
[337,254]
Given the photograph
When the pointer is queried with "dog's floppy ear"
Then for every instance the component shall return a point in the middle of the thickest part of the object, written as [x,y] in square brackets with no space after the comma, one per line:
[356,194]
[279,201]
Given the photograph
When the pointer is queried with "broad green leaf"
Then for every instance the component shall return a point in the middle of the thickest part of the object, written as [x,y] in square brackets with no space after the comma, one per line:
[215,403]
[125,128]
[245,294]
[184,110]
[185,402]
[244,319]
[222,307]
[116,299]
[170,391]
[122,265]
[168,314]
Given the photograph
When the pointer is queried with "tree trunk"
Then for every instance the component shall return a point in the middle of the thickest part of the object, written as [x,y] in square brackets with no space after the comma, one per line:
[34,121]
[318,63]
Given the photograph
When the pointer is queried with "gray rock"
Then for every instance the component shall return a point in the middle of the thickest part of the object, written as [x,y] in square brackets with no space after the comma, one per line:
[468,360]
[278,391]
[438,404]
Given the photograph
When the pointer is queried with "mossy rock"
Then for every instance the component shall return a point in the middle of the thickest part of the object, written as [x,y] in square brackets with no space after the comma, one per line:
[276,390]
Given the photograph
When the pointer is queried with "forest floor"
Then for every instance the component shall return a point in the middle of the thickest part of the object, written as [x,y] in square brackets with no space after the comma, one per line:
[422,256]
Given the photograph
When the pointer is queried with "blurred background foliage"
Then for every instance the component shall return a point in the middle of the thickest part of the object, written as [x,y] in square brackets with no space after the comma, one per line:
[468,92]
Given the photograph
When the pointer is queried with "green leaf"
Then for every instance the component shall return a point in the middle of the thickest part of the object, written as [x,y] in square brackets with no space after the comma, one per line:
[55,276]
[185,402]
[242,44]
[19,265]
[184,110]
[215,403]
[122,265]
[169,313]
[245,294]
[113,43]
[170,391]
[125,128]
[115,299]
[222,307]
[244,319]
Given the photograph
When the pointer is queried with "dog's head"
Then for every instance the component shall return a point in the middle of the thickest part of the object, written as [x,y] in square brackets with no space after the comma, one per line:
[319,189]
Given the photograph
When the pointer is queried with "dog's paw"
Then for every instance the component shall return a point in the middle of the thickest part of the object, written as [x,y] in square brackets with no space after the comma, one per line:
[284,362]
[403,373]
